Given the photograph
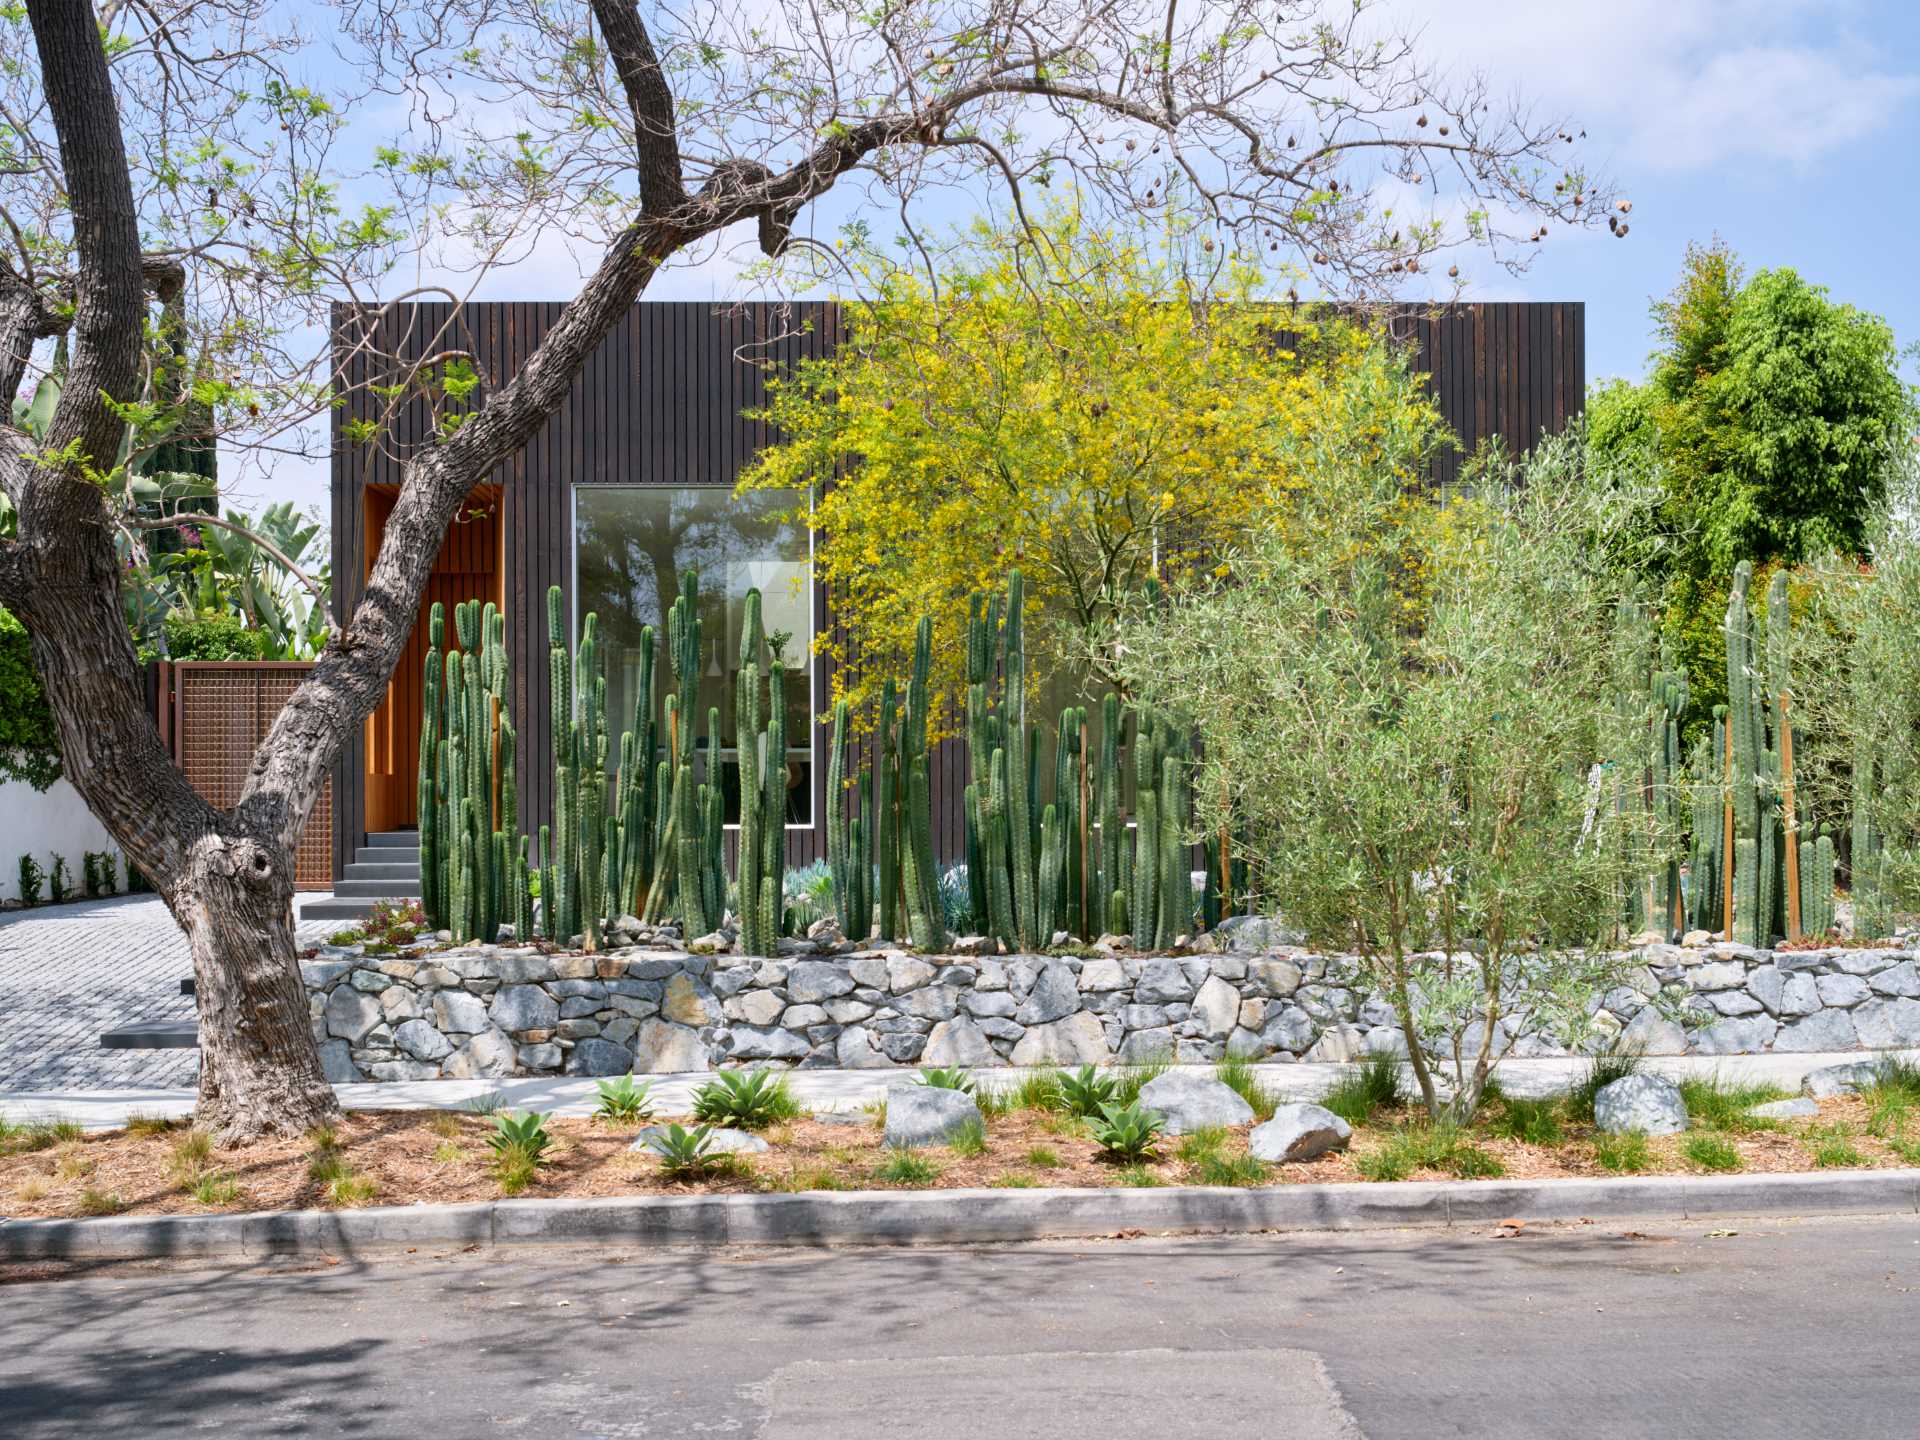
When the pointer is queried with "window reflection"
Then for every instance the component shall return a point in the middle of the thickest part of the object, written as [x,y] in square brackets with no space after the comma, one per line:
[632,545]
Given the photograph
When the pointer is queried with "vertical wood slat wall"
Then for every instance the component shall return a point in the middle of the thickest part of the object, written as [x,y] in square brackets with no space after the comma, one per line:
[660,403]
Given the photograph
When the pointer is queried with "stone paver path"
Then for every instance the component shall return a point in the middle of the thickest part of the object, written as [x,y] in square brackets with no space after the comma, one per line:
[68,972]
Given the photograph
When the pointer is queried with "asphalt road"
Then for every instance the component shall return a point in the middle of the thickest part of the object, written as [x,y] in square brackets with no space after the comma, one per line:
[1808,1328]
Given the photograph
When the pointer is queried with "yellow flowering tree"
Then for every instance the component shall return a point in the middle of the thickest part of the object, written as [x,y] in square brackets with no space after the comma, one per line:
[1095,417]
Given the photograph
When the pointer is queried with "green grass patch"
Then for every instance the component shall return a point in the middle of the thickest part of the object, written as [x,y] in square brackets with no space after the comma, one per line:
[1416,1148]
[1132,1079]
[215,1187]
[1900,1075]
[1013,1180]
[1037,1090]
[1626,1154]
[1833,1147]
[1890,1111]
[1716,1103]
[1530,1121]
[1139,1177]
[101,1202]
[1714,1153]
[907,1168]
[969,1139]
[1043,1157]
[1219,1169]
[817,1179]
[141,1123]
[1361,1094]
[1202,1144]
[1236,1073]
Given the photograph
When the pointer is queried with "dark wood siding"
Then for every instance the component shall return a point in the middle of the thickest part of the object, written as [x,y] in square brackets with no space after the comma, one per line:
[660,403]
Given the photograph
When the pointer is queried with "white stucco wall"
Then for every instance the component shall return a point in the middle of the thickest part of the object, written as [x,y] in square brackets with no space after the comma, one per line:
[46,823]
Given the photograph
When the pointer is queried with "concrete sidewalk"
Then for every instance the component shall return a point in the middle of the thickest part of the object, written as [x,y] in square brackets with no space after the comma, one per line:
[851,1089]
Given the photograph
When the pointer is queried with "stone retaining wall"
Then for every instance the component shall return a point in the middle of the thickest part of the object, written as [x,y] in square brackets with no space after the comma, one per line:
[422,1014]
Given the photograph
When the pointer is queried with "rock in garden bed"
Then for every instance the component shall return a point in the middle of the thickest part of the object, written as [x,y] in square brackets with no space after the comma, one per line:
[1640,1105]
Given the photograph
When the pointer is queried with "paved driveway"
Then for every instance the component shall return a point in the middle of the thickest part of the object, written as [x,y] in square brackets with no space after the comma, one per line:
[67,972]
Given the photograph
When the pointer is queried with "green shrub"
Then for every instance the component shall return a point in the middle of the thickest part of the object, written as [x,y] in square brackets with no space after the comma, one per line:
[214,1187]
[1127,1133]
[212,637]
[1711,1152]
[520,1135]
[687,1154]
[1200,1144]
[101,1202]
[1039,1090]
[345,937]
[1086,1091]
[59,882]
[1361,1094]
[29,748]
[99,873]
[947,1077]
[745,1099]
[623,1102]
[31,878]
[1624,1154]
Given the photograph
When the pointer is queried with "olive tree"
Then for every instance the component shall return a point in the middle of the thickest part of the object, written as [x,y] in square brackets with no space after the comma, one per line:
[177,206]
[1408,713]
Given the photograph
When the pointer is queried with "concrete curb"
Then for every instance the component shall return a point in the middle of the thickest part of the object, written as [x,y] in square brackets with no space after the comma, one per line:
[952,1217]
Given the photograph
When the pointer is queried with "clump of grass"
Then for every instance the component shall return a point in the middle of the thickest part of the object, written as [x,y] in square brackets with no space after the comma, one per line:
[1716,1103]
[1202,1144]
[214,1187]
[1236,1073]
[74,1166]
[350,1189]
[1073,1126]
[1712,1153]
[1907,1150]
[1602,1070]
[907,1168]
[1219,1169]
[1530,1121]
[191,1152]
[1037,1090]
[101,1202]
[1043,1157]
[1624,1154]
[448,1153]
[1130,1080]
[1012,1180]
[30,1190]
[1361,1094]
[445,1124]
[141,1123]
[1900,1075]
[969,1139]
[327,1165]
[816,1179]
[488,1104]
[1139,1177]
[1417,1148]
[324,1137]
[1833,1147]
[515,1167]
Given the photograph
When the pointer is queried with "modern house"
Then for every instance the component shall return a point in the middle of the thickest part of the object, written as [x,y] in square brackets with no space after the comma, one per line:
[631,481]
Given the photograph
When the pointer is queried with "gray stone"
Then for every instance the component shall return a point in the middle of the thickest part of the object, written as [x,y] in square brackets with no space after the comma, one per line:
[903,1049]
[755,1007]
[1339,1045]
[370,982]
[904,972]
[869,971]
[523,1007]
[1826,1030]
[1719,975]
[1102,974]
[661,1047]
[1079,1039]
[1186,1101]
[1799,996]
[656,967]
[990,1002]
[1901,979]
[597,1056]
[720,1141]
[1736,1002]
[575,1007]
[1862,962]
[1766,983]
[855,1050]
[1216,1008]
[1748,1035]
[620,1030]
[799,1017]
[1841,990]
[1799,1108]
[1251,934]
[1275,978]
[1640,1104]
[579,1028]
[1144,1017]
[847,1011]
[1292,1030]
[1299,1132]
[1848,1079]
[396,1070]
[488,1054]
[998,1029]
[336,1063]
[1163,980]
[931,1002]
[421,1040]
[1651,1033]
[1055,995]
[399,1004]
[958,1042]
[574,989]
[731,981]
[923,1115]
[1228,967]
[351,1015]
[769,1044]
[1881,1024]
[547,1056]
[319,974]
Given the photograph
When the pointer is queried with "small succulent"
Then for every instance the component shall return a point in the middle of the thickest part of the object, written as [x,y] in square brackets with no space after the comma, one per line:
[524,1134]
[1087,1092]
[750,1099]
[946,1077]
[622,1100]
[686,1154]
[1127,1133]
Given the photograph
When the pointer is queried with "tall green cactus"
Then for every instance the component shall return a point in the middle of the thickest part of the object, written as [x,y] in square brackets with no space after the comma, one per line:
[886,816]
[1019,794]
[845,831]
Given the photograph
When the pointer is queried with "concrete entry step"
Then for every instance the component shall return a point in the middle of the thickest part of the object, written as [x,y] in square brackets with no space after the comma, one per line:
[387,855]
[344,907]
[389,839]
[365,871]
[379,889]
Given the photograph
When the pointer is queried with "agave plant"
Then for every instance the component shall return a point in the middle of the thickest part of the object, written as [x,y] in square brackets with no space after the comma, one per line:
[686,1154]
[524,1135]
[622,1101]
[748,1099]
[1128,1134]
[1087,1092]
[946,1077]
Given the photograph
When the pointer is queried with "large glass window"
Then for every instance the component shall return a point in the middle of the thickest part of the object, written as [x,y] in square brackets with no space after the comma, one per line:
[631,547]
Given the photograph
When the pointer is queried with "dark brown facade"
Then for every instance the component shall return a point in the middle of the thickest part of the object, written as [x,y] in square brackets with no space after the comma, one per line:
[660,403]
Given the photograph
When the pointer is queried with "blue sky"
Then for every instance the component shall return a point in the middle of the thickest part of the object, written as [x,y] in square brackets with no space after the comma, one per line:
[1787,127]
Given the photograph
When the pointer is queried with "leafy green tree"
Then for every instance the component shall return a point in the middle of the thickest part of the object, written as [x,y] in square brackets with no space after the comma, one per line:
[29,749]
[1404,718]
[1774,416]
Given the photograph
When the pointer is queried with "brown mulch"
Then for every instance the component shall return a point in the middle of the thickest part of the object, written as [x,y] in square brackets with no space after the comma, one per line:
[437,1156]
